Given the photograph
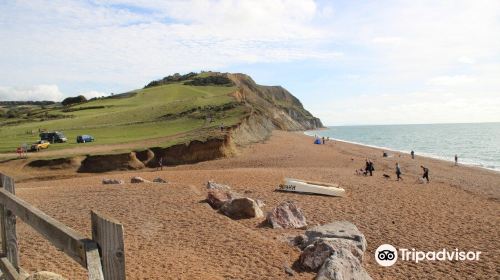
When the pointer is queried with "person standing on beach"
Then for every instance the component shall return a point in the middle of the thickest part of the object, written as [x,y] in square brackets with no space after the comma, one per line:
[369,167]
[456,160]
[426,173]
[398,171]
[412,154]
[160,164]
[323,139]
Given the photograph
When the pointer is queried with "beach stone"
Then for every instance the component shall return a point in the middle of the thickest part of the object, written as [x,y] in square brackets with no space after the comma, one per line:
[260,203]
[112,182]
[45,275]
[287,215]
[218,197]
[137,180]
[342,265]
[316,253]
[241,208]
[212,185]
[159,180]
[289,271]
[338,229]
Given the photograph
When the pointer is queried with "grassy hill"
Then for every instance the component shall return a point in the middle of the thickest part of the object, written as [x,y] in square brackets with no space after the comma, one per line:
[143,114]
[188,107]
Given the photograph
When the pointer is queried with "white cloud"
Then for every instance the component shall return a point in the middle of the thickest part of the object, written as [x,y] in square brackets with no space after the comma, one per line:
[456,80]
[466,60]
[35,93]
[387,40]
[93,93]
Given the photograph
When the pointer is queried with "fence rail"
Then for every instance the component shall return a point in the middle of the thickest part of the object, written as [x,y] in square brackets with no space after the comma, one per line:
[103,256]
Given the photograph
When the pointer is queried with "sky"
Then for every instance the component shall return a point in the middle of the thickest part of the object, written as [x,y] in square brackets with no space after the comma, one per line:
[349,62]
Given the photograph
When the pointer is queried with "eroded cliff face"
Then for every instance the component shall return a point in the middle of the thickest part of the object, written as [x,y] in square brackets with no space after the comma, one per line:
[284,110]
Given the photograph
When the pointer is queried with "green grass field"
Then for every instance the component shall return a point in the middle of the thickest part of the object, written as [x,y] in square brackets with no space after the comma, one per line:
[121,120]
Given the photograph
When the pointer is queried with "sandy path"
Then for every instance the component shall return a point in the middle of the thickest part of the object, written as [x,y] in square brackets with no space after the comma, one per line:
[171,235]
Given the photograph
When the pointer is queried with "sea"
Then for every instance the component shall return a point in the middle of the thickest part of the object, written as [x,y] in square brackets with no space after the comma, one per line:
[476,144]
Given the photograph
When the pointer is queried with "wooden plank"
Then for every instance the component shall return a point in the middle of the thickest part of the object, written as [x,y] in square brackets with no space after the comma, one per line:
[9,237]
[108,233]
[8,269]
[61,236]
[94,266]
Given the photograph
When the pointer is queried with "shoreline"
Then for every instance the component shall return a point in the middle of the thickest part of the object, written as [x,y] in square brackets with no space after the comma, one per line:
[426,155]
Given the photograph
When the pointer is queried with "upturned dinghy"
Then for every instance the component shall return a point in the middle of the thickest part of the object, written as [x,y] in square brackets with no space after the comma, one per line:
[300,186]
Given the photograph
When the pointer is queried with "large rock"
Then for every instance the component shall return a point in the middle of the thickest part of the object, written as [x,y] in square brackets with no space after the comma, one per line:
[137,180]
[112,182]
[287,215]
[320,250]
[217,197]
[45,275]
[342,265]
[339,230]
[241,208]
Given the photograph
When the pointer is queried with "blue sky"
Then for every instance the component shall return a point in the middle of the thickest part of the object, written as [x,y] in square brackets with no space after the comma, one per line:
[349,62]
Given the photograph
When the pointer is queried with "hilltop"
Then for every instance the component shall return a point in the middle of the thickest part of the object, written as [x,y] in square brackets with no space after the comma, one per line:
[179,114]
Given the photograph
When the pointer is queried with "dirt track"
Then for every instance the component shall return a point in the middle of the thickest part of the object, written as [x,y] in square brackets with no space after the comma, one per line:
[171,234]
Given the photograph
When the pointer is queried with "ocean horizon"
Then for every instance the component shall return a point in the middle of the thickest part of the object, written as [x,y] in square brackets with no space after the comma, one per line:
[475,144]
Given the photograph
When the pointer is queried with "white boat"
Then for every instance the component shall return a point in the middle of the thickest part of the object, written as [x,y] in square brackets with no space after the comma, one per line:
[300,186]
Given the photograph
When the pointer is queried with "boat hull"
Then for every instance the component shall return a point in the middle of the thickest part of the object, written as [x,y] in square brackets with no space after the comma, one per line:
[299,186]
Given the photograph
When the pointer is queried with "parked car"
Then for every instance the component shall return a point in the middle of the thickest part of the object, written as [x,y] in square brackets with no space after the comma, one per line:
[53,137]
[40,144]
[84,139]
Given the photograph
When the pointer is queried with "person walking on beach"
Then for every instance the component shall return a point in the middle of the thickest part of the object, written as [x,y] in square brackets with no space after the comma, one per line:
[456,160]
[369,167]
[412,154]
[160,164]
[323,139]
[426,173]
[398,171]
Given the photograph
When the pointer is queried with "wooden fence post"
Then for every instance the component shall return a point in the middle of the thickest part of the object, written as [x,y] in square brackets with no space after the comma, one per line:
[8,220]
[108,233]
[94,266]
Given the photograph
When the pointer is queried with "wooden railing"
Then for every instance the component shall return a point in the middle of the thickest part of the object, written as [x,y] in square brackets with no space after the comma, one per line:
[103,256]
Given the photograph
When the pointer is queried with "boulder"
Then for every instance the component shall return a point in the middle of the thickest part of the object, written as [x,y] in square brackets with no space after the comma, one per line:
[159,180]
[241,208]
[342,265]
[217,197]
[339,230]
[137,180]
[316,253]
[287,215]
[45,275]
[112,182]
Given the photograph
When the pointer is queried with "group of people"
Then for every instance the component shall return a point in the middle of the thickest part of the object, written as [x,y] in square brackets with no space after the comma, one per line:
[369,168]
[425,170]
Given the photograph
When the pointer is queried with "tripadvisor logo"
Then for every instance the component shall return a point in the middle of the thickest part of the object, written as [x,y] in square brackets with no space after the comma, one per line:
[387,255]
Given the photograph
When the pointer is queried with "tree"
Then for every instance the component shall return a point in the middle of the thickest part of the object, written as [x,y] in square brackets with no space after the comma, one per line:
[74,100]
